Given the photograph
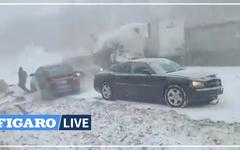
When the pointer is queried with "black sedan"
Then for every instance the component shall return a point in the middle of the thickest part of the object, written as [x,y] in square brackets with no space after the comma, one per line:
[159,79]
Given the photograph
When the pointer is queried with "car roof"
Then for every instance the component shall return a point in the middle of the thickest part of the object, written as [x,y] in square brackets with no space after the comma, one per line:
[56,69]
[56,65]
[150,60]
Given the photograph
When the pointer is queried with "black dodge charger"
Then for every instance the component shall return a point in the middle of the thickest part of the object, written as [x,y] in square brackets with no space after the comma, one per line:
[157,79]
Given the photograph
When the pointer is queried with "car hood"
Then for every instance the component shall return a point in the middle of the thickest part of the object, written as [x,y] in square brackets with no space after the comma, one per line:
[193,74]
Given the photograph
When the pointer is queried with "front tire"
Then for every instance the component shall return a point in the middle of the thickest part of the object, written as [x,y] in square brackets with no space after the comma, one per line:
[106,91]
[175,96]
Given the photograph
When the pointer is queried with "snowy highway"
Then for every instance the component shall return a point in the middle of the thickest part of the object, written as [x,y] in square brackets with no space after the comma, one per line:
[226,110]
[120,74]
[123,122]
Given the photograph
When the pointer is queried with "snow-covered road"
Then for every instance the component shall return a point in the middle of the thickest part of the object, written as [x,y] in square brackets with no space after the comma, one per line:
[119,123]
[122,122]
[226,110]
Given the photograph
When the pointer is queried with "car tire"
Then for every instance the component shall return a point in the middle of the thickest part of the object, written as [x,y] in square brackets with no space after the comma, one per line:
[175,96]
[107,91]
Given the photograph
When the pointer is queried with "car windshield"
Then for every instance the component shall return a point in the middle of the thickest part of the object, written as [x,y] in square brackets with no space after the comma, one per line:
[165,66]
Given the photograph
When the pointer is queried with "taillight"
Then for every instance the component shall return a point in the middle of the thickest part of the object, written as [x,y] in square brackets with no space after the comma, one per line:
[77,76]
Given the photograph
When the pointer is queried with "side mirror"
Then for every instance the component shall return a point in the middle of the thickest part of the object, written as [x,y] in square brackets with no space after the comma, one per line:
[146,71]
[32,74]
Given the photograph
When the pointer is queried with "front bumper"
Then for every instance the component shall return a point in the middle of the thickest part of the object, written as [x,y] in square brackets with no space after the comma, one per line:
[206,94]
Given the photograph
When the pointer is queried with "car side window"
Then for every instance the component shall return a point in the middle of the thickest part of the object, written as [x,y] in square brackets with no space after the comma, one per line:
[140,68]
[121,68]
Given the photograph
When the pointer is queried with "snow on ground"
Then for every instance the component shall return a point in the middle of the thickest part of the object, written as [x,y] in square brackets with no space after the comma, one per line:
[122,122]
[119,123]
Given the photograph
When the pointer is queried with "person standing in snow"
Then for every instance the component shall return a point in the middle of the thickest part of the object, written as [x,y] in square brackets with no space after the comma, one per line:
[22,78]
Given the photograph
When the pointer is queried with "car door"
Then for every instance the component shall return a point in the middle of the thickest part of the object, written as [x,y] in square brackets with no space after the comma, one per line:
[121,82]
[143,81]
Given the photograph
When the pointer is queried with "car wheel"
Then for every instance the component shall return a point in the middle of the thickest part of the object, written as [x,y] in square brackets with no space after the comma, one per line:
[106,91]
[175,96]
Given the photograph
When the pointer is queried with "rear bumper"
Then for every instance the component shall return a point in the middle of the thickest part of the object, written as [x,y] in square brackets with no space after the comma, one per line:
[205,94]
[65,88]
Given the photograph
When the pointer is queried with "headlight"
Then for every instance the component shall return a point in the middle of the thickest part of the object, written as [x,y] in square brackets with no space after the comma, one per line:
[197,84]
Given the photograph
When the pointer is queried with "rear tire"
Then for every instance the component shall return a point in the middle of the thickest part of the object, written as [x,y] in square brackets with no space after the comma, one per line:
[107,91]
[175,96]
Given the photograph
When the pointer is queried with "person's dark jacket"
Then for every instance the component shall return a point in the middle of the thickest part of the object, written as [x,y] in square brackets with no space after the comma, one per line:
[22,75]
